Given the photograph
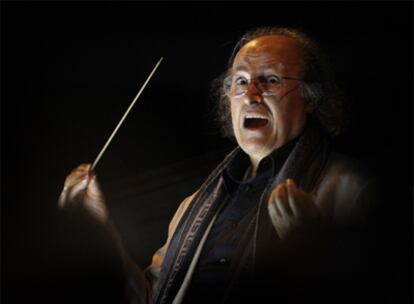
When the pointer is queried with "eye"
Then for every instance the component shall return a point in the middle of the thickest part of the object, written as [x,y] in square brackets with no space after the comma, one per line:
[241,81]
[272,79]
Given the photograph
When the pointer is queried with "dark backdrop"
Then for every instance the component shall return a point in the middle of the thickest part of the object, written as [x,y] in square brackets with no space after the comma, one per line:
[69,71]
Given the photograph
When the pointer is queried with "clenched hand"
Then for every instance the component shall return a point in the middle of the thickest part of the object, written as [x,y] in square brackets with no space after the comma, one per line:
[81,189]
[290,208]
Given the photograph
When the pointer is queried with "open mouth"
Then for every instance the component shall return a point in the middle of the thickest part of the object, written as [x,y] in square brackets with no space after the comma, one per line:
[255,121]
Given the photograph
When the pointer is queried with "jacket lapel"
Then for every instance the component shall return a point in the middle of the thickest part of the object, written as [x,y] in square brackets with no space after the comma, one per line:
[189,232]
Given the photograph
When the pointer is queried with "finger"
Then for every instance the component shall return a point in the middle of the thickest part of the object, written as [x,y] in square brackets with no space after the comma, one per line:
[93,190]
[282,201]
[77,189]
[71,184]
[272,202]
[95,201]
[72,180]
[273,212]
[62,198]
[82,168]
[76,175]
[294,198]
[305,198]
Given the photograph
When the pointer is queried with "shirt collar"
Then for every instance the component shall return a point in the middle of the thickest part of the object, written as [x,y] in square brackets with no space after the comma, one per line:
[268,167]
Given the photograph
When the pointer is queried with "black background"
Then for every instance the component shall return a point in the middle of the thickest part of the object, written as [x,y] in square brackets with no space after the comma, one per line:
[69,71]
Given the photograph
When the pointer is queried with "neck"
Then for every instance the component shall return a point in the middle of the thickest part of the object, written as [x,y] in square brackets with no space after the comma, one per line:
[254,165]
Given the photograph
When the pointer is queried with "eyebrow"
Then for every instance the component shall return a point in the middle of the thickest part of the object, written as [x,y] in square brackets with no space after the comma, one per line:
[241,68]
[264,69]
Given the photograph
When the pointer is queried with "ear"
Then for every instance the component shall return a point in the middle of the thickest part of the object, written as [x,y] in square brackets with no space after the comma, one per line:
[309,105]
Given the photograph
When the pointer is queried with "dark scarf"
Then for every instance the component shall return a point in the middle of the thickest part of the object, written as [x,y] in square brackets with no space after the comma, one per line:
[304,165]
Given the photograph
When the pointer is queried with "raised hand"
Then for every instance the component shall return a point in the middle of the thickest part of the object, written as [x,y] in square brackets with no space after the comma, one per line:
[290,209]
[82,190]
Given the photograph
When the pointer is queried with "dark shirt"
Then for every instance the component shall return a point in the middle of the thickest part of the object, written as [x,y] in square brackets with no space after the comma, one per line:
[212,274]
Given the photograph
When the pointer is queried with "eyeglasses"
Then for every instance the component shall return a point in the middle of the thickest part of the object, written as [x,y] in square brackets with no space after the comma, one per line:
[237,86]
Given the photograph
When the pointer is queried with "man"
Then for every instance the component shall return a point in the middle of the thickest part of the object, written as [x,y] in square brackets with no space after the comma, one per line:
[264,220]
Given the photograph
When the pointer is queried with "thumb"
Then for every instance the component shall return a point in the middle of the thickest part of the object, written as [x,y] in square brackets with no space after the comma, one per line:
[93,190]
[95,200]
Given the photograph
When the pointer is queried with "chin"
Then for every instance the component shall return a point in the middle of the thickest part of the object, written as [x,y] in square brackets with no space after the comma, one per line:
[256,148]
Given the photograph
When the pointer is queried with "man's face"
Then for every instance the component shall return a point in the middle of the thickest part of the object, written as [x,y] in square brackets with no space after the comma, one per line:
[264,123]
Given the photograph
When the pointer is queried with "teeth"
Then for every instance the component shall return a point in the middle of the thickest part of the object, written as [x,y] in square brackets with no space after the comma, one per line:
[255,116]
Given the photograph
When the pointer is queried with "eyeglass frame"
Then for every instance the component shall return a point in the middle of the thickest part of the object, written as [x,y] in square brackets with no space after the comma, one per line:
[257,84]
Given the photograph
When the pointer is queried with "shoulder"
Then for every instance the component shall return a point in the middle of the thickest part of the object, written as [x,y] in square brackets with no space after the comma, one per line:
[342,184]
[346,170]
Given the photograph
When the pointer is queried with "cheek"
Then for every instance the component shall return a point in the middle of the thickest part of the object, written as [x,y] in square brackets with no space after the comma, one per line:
[279,114]
[234,111]
[287,111]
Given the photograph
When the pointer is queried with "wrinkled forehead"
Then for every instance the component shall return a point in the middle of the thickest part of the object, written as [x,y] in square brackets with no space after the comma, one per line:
[274,52]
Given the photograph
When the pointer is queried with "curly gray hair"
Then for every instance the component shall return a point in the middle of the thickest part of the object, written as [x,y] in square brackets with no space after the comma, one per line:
[318,87]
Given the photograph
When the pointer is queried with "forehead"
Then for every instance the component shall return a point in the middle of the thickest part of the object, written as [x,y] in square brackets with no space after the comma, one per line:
[275,52]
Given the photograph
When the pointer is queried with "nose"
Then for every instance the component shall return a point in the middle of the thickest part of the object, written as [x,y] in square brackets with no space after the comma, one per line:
[253,94]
